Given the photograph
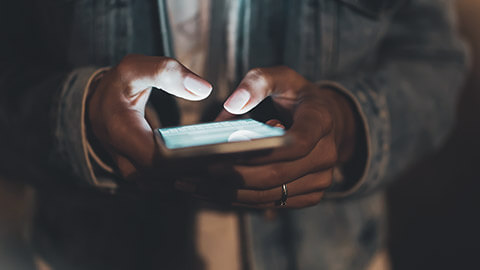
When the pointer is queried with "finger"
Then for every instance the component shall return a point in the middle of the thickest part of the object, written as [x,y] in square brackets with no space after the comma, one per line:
[311,123]
[304,185]
[275,123]
[260,83]
[295,202]
[164,73]
[267,176]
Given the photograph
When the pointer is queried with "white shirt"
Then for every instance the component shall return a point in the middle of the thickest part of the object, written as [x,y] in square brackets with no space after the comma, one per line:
[217,233]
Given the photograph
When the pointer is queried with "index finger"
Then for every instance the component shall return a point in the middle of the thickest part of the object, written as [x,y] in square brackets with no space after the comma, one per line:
[143,72]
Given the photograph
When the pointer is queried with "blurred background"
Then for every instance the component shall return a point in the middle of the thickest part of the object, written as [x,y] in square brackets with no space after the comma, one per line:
[434,218]
[434,208]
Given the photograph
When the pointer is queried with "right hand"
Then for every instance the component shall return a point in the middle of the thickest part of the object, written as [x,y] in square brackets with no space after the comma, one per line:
[116,108]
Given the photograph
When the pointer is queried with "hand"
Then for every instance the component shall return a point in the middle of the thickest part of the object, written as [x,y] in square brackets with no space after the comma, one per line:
[323,133]
[116,108]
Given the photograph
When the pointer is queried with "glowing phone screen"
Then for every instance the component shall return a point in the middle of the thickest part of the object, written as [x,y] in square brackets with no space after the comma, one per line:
[217,132]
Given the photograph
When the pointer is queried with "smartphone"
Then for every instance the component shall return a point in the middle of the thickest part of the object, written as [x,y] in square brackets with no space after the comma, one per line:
[227,137]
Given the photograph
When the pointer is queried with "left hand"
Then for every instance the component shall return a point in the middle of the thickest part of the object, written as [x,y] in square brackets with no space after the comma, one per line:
[323,135]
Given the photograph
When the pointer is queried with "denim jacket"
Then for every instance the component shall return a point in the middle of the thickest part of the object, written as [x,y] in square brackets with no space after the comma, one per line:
[399,61]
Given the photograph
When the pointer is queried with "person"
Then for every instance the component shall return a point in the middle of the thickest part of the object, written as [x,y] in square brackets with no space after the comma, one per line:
[364,88]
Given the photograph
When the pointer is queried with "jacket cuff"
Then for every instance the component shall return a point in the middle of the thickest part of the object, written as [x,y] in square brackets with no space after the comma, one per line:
[71,130]
[372,151]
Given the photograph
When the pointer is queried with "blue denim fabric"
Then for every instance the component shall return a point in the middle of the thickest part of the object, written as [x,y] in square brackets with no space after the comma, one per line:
[402,64]
[399,61]
[70,145]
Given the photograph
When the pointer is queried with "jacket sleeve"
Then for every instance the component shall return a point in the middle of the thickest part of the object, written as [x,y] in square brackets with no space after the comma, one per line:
[41,106]
[407,100]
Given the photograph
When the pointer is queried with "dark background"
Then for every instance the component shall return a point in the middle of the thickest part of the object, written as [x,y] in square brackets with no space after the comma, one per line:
[434,208]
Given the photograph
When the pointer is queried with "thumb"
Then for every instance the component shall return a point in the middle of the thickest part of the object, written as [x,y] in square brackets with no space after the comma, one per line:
[254,88]
[259,83]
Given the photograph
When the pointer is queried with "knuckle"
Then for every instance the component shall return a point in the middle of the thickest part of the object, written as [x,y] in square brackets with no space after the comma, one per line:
[258,76]
[328,181]
[168,71]
[169,64]
[127,61]
[322,181]
[256,72]
[124,69]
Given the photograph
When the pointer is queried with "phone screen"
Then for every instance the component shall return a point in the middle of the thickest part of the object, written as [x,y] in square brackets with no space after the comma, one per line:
[217,132]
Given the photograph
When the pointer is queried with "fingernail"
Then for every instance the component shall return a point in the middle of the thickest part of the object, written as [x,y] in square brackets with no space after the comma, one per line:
[278,125]
[196,86]
[237,101]
[185,186]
